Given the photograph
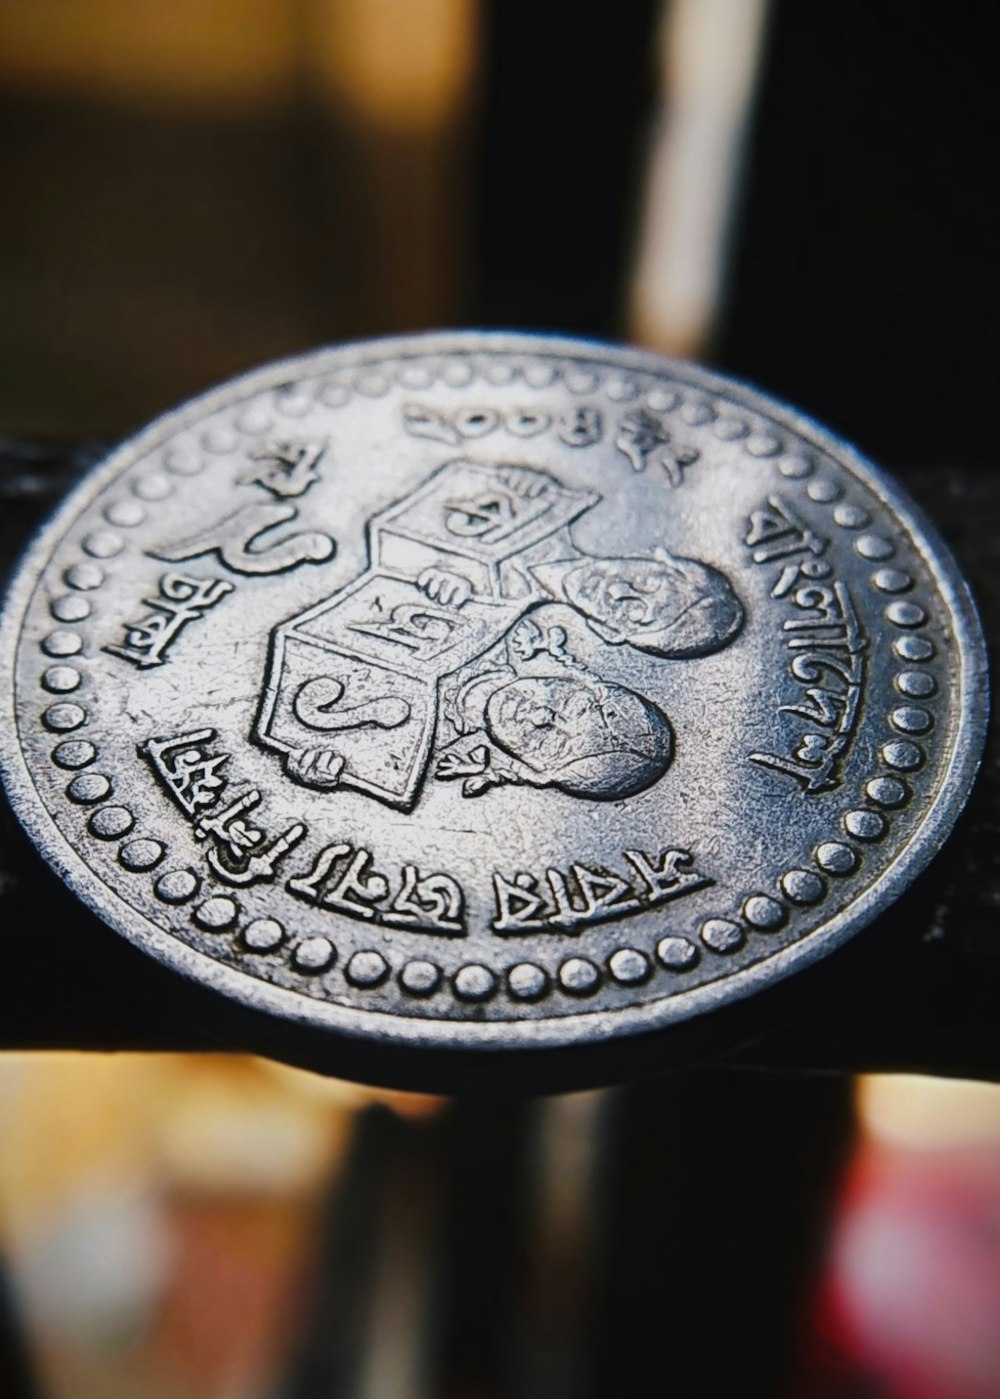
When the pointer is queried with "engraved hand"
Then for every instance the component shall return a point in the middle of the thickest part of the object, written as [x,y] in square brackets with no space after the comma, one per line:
[241,836]
[455,765]
[449,589]
[527,641]
[525,481]
[315,767]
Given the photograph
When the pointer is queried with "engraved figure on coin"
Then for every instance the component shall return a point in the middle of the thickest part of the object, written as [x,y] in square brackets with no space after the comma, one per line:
[468,631]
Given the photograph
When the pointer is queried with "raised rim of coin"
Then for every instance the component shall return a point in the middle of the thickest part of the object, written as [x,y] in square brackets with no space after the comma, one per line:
[970,718]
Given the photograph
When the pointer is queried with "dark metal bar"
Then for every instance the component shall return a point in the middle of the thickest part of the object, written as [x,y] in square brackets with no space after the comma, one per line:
[916,992]
[17,1377]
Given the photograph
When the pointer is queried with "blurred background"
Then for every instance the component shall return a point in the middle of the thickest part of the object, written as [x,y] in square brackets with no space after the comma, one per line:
[799,194]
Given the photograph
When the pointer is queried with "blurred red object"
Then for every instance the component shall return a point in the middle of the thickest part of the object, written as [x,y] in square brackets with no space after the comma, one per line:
[909,1306]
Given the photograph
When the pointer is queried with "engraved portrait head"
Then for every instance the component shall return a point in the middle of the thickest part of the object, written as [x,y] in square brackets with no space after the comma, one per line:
[585,736]
[665,606]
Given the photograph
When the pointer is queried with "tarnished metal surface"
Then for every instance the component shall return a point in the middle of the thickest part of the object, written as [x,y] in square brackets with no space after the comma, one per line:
[474,693]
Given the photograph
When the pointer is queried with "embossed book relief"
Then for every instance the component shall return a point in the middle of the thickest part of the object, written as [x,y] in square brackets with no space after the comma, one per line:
[459,651]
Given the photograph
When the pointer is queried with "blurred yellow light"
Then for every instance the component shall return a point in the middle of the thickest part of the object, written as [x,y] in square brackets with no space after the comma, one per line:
[183,52]
[217,1123]
[70,1118]
[353,1096]
[399,62]
[909,1111]
[396,62]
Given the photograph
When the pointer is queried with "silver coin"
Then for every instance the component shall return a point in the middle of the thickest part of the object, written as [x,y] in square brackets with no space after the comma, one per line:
[464,694]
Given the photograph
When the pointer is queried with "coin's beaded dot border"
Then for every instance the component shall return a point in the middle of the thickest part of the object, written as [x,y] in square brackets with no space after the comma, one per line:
[263,935]
[474,982]
[578,976]
[366,968]
[575,976]
[314,954]
[89,787]
[900,754]
[629,967]
[177,886]
[528,982]
[420,977]
[141,854]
